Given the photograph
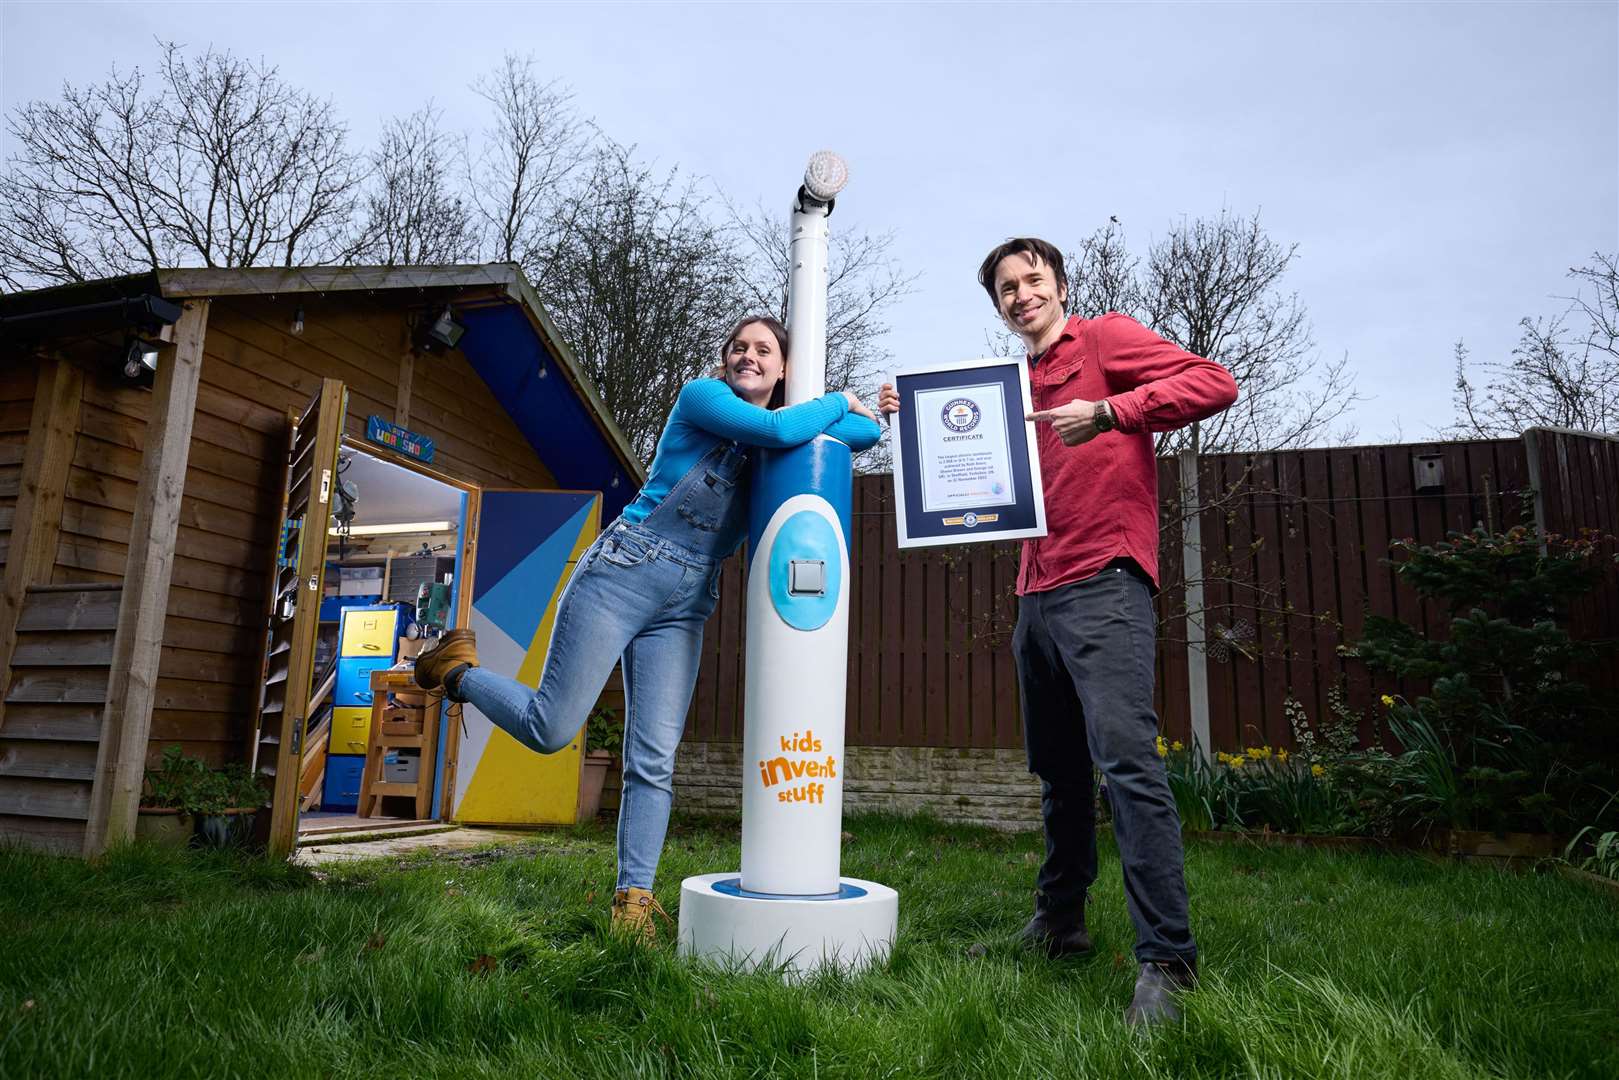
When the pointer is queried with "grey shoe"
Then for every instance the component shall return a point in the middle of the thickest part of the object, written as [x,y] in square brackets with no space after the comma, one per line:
[1156,987]
[1057,934]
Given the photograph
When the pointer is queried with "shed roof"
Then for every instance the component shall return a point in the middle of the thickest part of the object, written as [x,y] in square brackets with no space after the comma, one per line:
[511,343]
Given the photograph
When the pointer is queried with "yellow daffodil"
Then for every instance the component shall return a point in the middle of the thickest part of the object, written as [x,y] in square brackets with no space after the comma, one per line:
[1281,755]
[1317,771]
[1388,702]
[1163,748]
[1177,746]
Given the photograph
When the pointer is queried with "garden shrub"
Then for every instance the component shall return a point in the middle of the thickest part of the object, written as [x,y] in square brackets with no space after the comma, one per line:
[1509,735]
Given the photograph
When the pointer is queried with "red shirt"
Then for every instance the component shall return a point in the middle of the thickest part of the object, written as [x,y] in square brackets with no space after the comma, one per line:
[1102,496]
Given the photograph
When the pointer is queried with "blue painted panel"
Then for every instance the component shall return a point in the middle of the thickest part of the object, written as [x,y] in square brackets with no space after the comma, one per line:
[523,519]
[504,350]
[341,790]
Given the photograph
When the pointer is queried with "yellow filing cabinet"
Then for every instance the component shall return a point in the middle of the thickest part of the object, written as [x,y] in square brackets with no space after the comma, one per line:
[351,730]
[369,633]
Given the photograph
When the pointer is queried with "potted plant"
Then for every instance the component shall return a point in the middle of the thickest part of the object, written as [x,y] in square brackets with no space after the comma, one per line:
[604,741]
[185,800]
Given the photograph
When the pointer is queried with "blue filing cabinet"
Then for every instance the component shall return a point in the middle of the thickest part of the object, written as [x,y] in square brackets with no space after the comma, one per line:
[353,687]
[342,788]
[368,637]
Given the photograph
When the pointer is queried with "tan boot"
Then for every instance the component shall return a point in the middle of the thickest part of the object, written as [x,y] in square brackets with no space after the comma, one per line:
[633,910]
[452,649]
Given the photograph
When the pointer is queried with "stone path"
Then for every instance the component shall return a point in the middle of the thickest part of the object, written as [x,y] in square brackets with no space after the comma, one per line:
[451,838]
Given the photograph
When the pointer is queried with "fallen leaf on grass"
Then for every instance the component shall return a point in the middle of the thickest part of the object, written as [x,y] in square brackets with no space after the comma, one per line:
[28,1005]
[977,950]
[313,956]
[374,942]
[1118,960]
[590,896]
[847,838]
[483,965]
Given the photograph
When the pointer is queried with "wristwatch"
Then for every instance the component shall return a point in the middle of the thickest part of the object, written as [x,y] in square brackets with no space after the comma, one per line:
[1102,418]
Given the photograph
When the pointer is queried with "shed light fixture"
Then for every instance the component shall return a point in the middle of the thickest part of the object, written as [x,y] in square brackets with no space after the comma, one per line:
[298,320]
[445,330]
[140,360]
[403,528]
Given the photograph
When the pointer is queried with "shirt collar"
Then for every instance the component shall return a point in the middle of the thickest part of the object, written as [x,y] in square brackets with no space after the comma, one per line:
[1070,331]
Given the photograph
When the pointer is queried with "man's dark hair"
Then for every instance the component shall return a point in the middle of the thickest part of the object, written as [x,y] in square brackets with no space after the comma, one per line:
[1041,250]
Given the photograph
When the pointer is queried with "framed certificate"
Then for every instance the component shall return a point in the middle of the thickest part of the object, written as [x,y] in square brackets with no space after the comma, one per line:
[966,466]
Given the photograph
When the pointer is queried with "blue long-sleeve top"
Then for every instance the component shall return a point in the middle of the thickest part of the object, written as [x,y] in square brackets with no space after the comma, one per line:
[709,412]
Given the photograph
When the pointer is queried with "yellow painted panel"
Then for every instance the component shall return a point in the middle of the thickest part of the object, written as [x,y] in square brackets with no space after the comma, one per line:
[513,785]
[351,729]
[369,633]
[516,786]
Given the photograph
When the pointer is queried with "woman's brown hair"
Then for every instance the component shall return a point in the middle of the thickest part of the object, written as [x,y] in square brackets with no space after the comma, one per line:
[778,396]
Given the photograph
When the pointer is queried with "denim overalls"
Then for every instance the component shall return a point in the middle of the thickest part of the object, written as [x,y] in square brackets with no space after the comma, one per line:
[641,592]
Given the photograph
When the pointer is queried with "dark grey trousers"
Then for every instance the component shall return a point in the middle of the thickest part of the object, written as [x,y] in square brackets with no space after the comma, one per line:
[1084,657]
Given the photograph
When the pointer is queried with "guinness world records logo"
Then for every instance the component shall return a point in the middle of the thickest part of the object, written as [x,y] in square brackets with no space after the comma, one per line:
[960,414]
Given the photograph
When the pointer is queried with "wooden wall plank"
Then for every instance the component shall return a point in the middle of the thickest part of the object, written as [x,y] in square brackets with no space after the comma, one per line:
[51,836]
[29,797]
[56,722]
[47,760]
[63,648]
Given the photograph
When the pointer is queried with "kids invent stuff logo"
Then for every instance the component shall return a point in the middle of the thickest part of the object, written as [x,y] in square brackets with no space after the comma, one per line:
[806,763]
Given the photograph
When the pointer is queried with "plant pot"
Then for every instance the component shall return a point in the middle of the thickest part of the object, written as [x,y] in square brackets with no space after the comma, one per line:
[163,826]
[592,775]
[233,828]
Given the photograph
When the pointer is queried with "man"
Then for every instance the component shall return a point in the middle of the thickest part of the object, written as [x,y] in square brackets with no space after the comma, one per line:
[1085,633]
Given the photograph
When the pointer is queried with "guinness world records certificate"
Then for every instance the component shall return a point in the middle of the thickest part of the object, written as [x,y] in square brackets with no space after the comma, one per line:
[966,464]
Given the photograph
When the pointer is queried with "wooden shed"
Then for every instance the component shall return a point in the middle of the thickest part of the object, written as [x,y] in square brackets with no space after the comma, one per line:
[172,449]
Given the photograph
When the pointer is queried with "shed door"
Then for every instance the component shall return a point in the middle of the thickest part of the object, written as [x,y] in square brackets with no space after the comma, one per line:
[526,546]
[295,608]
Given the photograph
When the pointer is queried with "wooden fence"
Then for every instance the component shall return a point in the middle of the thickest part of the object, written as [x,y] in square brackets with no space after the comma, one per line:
[1287,550]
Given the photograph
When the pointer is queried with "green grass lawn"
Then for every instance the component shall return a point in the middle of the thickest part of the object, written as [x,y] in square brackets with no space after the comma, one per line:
[497,964]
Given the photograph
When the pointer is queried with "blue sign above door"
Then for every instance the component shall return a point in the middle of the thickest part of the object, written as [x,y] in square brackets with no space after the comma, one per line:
[397,438]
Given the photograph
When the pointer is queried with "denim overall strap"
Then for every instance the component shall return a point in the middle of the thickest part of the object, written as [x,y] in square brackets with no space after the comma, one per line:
[705,513]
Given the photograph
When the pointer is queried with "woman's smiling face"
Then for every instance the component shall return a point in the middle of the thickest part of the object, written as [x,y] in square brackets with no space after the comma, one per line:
[754,363]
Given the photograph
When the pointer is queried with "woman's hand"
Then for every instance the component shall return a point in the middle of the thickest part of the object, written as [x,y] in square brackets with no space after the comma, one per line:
[858,406]
[888,399]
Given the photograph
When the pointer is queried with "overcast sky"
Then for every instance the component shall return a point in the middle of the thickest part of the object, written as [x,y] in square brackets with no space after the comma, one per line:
[1440,166]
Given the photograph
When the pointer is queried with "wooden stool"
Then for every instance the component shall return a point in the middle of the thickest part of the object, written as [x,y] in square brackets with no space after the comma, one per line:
[398,727]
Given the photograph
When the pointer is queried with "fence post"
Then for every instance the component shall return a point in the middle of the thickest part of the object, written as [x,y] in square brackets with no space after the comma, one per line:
[1197,669]
[1531,452]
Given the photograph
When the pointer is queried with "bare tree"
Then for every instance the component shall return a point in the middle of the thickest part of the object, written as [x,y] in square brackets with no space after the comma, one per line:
[1213,287]
[1102,275]
[643,285]
[414,215]
[221,164]
[1564,371]
[864,281]
[533,145]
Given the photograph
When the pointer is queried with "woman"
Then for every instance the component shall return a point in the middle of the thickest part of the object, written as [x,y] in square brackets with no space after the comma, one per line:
[645,588]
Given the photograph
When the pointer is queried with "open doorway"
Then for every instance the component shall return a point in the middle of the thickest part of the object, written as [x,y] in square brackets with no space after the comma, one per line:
[372,755]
